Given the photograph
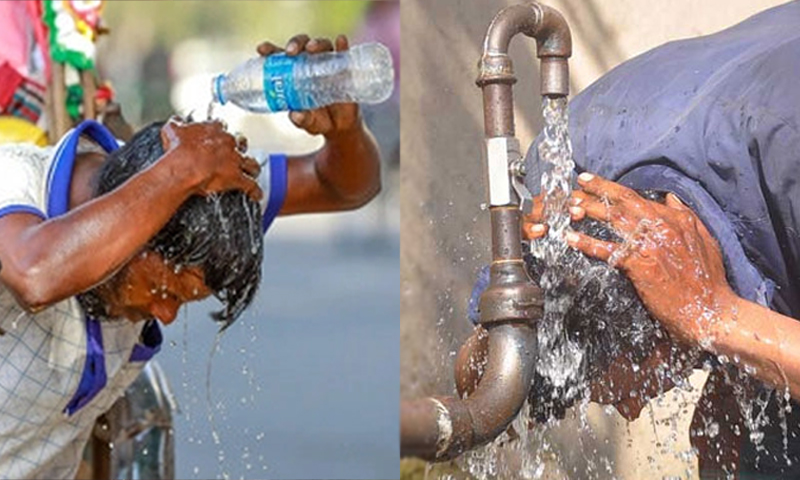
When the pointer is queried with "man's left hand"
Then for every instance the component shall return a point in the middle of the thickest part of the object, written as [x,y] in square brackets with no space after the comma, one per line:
[328,120]
[668,254]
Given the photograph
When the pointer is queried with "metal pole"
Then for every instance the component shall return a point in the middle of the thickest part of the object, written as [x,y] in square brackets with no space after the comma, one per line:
[438,428]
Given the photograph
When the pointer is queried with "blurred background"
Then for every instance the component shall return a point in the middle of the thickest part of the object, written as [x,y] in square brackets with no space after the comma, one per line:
[444,237]
[305,384]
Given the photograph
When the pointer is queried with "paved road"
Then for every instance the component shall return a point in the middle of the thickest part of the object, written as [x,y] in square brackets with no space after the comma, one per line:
[306,384]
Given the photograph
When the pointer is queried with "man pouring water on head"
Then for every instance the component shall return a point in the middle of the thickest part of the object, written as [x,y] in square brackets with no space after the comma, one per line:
[713,122]
[100,243]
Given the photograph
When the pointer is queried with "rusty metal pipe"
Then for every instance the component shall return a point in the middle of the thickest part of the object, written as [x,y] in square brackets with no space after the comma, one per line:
[553,46]
[440,428]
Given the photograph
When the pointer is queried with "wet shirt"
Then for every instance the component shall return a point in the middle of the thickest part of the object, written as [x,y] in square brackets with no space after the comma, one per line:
[60,370]
[715,119]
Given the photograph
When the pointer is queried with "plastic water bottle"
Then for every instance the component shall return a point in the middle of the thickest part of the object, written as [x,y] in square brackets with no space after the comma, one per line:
[278,82]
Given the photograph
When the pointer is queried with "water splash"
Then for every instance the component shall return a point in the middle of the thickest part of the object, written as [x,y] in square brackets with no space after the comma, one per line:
[210,110]
[559,357]
[210,410]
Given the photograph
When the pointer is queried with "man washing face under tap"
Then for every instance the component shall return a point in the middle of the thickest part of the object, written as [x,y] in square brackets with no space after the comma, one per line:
[714,121]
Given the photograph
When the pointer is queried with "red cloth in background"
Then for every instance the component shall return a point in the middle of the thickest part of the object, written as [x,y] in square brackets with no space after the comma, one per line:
[24,59]
[19,96]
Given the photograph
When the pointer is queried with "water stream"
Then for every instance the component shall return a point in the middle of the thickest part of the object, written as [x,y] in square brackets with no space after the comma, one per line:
[560,358]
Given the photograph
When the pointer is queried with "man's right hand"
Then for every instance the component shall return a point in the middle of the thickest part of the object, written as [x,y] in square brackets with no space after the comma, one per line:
[213,155]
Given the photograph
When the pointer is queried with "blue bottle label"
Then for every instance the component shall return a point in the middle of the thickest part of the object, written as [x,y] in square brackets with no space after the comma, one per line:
[279,87]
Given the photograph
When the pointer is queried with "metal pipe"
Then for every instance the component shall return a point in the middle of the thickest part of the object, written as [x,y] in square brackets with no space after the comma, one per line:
[439,428]
[471,362]
[553,46]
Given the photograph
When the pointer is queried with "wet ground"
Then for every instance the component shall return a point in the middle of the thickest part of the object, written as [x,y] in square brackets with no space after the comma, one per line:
[306,384]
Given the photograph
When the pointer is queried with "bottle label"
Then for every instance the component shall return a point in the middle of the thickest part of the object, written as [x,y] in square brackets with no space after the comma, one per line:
[279,86]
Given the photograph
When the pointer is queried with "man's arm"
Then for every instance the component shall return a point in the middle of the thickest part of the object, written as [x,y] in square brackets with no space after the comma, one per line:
[762,338]
[47,261]
[677,269]
[345,173]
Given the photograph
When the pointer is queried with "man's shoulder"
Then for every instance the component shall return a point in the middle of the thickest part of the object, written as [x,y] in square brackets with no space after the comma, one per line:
[27,153]
[25,148]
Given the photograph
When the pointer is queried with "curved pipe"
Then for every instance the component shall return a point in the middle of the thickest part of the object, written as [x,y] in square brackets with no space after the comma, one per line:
[440,428]
[471,362]
[553,45]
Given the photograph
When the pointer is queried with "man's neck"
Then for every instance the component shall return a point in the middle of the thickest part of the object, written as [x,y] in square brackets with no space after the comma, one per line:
[87,166]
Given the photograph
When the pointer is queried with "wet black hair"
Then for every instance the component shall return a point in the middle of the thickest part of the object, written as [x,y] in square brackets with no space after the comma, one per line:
[604,316]
[219,233]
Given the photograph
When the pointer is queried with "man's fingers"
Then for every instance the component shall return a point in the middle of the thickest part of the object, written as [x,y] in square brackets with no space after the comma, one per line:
[321,122]
[315,122]
[577,197]
[298,118]
[537,214]
[297,44]
[250,187]
[576,214]
[624,218]
[267,48]
[251,167]
[533,231]
[616,193]
[342,43]
[673,201]
[591,246]
[596,208]
[319,45]
[241,143]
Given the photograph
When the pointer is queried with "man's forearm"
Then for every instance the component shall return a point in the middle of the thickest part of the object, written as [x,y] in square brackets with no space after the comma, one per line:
[48,261]
[343,175]
[757,336]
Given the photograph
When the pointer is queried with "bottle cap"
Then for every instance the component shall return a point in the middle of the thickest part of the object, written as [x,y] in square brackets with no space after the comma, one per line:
[216,89]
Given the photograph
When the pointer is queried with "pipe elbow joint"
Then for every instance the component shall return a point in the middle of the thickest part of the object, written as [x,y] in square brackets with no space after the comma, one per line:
[553,46]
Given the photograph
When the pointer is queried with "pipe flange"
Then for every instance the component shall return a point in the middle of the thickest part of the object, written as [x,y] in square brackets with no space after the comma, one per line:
[511,296]
[495,68]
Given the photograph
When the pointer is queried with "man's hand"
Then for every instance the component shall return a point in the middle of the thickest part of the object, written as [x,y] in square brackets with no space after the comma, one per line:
[345,173]
[669,255]
[328,120]
[213,155]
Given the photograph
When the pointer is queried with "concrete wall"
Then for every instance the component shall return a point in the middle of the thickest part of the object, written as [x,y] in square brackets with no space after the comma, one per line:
[444,231]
